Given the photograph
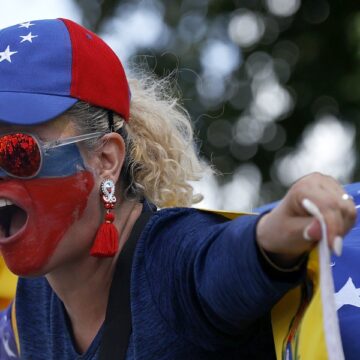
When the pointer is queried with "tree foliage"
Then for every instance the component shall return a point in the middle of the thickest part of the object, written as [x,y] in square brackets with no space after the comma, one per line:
[307,58]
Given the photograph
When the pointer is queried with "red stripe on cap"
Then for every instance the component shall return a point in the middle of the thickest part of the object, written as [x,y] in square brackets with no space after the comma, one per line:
[98,76]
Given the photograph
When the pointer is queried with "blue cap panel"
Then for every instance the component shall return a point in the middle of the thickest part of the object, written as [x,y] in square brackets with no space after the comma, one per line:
[31,109]
[36,57]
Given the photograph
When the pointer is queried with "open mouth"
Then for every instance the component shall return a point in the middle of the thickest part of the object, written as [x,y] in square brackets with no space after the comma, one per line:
[12,218]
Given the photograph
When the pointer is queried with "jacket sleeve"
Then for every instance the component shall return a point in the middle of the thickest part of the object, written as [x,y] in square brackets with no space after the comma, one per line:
[208,278]
[8,349]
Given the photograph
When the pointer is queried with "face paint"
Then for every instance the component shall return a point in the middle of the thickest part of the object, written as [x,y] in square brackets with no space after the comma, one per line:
[52,206]
[52,202]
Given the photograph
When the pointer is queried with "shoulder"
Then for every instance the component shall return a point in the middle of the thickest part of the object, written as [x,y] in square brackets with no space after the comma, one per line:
[175,226]
[174,232]
[187,221]
[183,232]
[183,220]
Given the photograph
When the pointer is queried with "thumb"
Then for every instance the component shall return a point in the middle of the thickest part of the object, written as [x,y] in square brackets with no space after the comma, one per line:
[313,231]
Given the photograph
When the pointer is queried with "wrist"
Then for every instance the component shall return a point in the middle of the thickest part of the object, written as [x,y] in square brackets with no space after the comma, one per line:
[278,255]
[283,263]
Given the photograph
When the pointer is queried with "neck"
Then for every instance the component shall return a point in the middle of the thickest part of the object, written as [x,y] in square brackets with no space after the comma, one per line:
[83,285]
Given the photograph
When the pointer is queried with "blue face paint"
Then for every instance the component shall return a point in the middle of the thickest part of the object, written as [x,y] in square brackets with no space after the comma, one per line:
[61,161]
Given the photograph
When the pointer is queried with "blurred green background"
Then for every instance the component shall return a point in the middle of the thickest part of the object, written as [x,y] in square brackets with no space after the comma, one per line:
[273,86]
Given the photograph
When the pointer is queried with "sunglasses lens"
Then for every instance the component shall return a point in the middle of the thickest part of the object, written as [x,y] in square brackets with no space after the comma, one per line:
[19,155]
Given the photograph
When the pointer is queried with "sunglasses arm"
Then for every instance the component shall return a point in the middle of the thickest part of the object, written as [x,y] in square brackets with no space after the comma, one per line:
[72,140]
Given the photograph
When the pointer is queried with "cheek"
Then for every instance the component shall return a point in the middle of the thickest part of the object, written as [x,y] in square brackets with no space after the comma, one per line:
[78,239]
[57,204]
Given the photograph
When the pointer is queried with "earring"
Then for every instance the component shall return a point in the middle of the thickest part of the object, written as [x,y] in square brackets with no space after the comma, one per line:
[106,242]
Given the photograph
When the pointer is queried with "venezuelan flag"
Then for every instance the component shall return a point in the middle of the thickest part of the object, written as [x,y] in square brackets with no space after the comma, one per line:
[7,285]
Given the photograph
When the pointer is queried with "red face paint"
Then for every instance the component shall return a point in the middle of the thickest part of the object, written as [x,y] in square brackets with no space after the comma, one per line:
[52,206]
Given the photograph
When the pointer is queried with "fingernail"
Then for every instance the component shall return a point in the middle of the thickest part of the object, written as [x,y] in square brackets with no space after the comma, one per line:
[306,235]
[337,245]
[311,208]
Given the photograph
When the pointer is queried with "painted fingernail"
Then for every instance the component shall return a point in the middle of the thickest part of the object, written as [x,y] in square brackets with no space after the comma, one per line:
[306,235]
[337,245]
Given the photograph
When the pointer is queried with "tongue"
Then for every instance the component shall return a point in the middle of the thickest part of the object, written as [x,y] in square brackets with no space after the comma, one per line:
[18,220]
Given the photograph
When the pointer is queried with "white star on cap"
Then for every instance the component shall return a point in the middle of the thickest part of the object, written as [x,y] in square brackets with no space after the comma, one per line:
[6,55]
[28,37]
[26,24]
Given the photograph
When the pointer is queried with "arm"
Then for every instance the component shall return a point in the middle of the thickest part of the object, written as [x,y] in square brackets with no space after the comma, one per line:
[207,276]
[208,279]
[236,284]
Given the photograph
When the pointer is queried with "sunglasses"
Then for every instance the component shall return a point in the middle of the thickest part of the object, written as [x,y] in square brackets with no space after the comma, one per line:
[21,154]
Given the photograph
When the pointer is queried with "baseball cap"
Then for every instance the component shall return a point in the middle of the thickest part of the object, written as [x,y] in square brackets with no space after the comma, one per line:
[46,66]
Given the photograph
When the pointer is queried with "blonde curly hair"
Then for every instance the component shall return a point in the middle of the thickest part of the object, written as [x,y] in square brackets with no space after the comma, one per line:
[161,156]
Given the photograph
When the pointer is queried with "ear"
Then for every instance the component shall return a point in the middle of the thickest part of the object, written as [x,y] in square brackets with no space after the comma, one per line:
[111,156]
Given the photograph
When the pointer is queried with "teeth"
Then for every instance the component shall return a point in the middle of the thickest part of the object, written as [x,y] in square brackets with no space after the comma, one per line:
[5,202]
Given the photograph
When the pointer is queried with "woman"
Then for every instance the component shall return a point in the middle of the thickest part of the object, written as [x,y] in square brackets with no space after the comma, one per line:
[201,286]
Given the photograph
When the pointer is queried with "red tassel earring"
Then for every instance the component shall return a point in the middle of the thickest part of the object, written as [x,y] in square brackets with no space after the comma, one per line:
[106,243]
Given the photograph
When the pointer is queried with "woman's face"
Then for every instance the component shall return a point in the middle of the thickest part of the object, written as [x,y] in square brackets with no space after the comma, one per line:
[52,218]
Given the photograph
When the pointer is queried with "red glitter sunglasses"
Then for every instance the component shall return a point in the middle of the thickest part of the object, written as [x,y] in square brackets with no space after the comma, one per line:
[21,154]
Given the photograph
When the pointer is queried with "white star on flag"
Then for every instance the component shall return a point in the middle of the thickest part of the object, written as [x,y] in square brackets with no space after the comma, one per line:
[28,37]
[26,25]
[6,55]
[349,294]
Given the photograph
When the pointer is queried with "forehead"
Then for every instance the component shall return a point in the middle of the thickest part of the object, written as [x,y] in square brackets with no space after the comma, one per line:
[60,126]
